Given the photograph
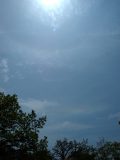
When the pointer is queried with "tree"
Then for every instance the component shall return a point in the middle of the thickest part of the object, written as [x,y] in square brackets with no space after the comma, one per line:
[19,131]
[108,150]
[65,149]
[84,151]
[62,149]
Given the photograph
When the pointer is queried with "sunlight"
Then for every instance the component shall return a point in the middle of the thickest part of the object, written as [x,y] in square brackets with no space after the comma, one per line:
[50,4]
[53,12]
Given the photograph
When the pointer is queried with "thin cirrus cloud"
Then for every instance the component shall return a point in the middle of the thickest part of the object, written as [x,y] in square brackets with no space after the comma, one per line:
[4,69]
[69,126]
[37,105]
[59,116]
[114,116]
[2,89]
[48,107]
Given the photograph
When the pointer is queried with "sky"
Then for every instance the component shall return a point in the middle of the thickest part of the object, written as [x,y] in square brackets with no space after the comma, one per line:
[63,61]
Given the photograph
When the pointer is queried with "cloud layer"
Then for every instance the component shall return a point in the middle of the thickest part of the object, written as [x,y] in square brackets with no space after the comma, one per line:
[65,66]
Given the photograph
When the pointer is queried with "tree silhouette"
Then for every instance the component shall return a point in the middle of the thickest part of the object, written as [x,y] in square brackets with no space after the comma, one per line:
[65,149]
[19,131]
[108,150]
[62,149]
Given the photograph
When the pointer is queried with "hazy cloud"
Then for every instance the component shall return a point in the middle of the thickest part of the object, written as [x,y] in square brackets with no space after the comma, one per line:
[114,116]
[69,126]
[40,106]
[4,69]
[2,89]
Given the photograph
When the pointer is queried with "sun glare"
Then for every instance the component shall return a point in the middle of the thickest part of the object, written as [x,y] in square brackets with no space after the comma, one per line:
[50,4]
[51,11]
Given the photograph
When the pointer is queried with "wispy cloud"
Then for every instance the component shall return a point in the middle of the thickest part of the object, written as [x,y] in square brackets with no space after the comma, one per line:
[51,108]
[114,116]
[4,69]
[86,109]
[2,89]
[69,126]
[37,105]
[55,109]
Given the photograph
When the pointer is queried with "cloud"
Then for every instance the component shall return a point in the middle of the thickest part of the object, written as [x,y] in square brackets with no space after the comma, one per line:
[86,109]
[114,116]
[68,125]
[37,105]
[64,118]
[53,108]
[2,89]
[4,69]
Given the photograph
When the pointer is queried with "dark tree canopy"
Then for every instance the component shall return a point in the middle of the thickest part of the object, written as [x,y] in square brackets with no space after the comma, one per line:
[19,131]
[107,150]
[73,150]
[62,149]
[66,150]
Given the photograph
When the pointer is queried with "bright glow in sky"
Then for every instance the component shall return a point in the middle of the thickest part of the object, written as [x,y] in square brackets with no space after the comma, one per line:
[51,11]
[51,4]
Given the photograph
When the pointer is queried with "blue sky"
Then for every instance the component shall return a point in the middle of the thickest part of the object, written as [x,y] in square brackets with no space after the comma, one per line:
[64,63]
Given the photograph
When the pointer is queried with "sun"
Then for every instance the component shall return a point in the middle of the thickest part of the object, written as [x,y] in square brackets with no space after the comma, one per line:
[50,4]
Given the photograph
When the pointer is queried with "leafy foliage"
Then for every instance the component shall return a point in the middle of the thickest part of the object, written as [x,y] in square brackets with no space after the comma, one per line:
[19,131]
